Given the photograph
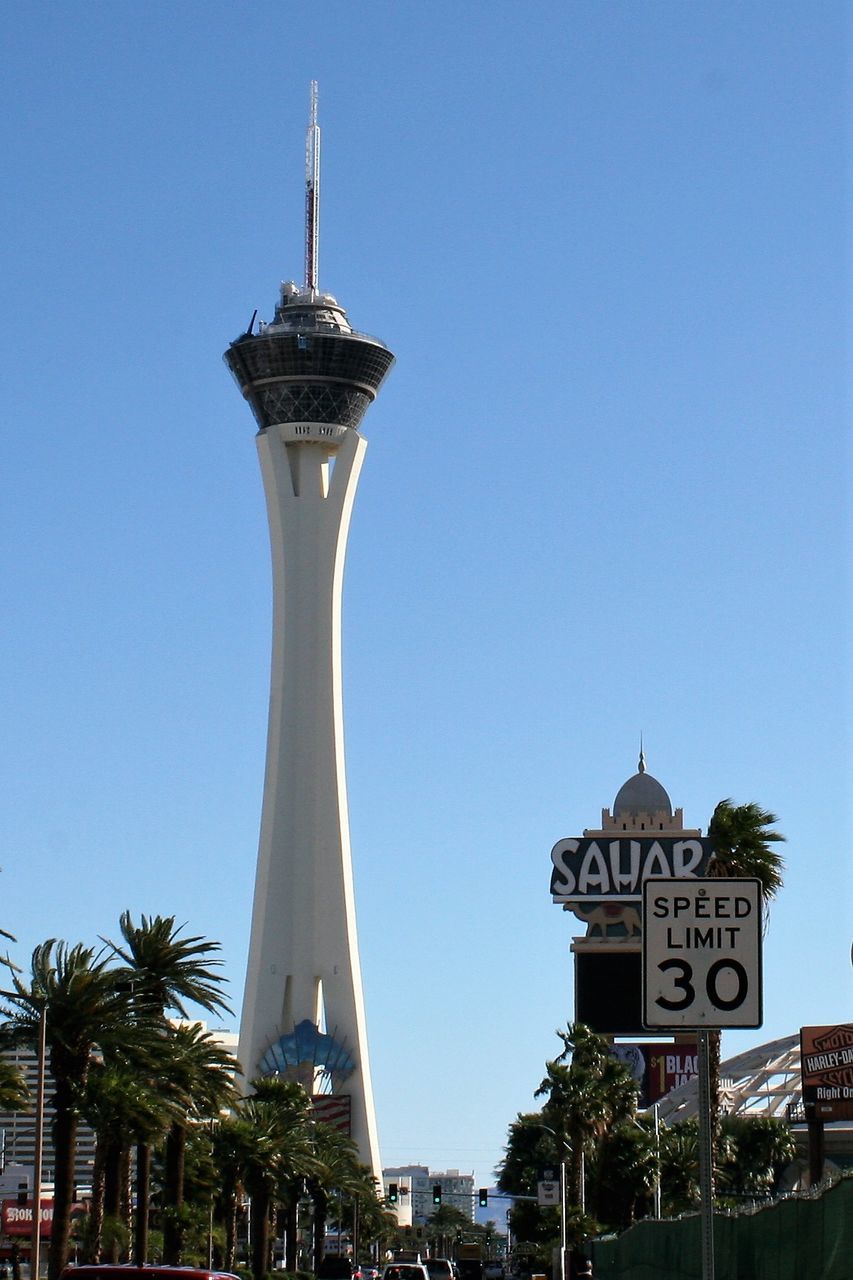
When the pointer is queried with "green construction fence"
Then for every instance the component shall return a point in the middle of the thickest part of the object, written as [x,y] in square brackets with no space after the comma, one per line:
[798,1238]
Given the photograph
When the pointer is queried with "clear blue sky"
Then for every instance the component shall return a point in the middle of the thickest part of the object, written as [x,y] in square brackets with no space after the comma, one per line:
[606,490]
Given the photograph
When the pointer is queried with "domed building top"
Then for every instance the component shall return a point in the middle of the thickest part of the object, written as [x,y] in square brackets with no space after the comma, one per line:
[642,805]
[641,794]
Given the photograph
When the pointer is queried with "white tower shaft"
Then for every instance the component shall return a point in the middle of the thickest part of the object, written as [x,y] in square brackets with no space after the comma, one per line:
[303,959]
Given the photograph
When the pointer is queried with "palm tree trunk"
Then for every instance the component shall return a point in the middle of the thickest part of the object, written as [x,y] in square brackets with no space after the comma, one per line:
[575,1170]
[227,1202]
[95,1221]
[143,1196]
[64,1147]
[291,1226]
[321,1207]
[112,1198]
[126,1194]
[173,1195]
[230,1213]
[260,1233]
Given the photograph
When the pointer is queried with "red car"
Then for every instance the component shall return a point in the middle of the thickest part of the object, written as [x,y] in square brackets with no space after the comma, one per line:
[126,1271]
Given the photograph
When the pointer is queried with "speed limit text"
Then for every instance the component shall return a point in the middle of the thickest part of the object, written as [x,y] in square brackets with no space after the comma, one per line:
[684,936]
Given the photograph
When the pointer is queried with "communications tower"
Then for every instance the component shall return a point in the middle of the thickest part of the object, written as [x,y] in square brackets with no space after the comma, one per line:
[309,378]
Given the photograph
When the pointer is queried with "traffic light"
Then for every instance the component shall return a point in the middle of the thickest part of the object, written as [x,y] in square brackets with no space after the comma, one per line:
[392,1192]
[484,1197]
[436,1193]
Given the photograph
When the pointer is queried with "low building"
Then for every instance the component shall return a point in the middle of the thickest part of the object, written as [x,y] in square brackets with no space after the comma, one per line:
[415,1184]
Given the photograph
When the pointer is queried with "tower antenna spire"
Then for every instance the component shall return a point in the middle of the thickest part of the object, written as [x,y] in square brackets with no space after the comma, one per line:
[312,196]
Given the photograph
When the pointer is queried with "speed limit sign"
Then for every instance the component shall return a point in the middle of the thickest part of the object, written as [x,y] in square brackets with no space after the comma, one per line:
[702,953]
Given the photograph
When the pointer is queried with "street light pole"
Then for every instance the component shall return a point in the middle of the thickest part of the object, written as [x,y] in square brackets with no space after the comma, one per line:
[563,1193]
[656,1110]
[35,1244]
[563,1232]
[642,1128]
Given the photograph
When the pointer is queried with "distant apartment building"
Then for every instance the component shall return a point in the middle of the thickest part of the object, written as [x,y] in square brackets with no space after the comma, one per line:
[17,1128]
[415,1185]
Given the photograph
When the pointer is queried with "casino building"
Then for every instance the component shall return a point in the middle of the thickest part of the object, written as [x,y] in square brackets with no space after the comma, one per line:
[598,878]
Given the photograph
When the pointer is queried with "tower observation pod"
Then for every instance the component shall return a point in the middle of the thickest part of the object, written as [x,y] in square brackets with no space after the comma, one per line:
[309,377]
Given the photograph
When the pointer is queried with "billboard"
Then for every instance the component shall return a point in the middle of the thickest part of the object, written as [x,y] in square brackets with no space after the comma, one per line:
[826,1066]
[17,1219]
[657,1067]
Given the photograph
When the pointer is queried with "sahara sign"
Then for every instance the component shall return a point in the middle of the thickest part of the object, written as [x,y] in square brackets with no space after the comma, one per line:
[615,869]
[826,1063]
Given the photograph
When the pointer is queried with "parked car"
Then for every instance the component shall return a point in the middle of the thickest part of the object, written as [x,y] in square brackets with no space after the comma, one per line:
[405,1271]
[123,1271]
[335,1267]
[439,1269]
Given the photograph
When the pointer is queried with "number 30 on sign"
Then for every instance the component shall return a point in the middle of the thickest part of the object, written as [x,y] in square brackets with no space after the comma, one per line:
[702,953]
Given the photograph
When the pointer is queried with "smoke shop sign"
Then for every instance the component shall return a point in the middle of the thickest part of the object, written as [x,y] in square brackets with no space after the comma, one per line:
[615,869]
[17,1219]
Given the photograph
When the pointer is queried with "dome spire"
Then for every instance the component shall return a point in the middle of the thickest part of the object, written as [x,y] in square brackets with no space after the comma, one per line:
[642,795]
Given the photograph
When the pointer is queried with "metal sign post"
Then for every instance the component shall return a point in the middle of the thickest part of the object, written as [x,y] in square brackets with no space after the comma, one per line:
[706,1161]
[552,1191]
[701,972]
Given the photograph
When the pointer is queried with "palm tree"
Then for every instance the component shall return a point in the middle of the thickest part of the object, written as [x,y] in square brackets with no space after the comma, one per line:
[85,1004]
[742,842]
[338,1170]
[759,1149]
[679,1167]
[234,1142]
[530,1148]
[125,1104]
[170,972]
[742,845]
[14,1094]
[624,1171]
[588,1091]
[202,1073]
[279,1112]
[6,959]
[367,1215]
[446,1223]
